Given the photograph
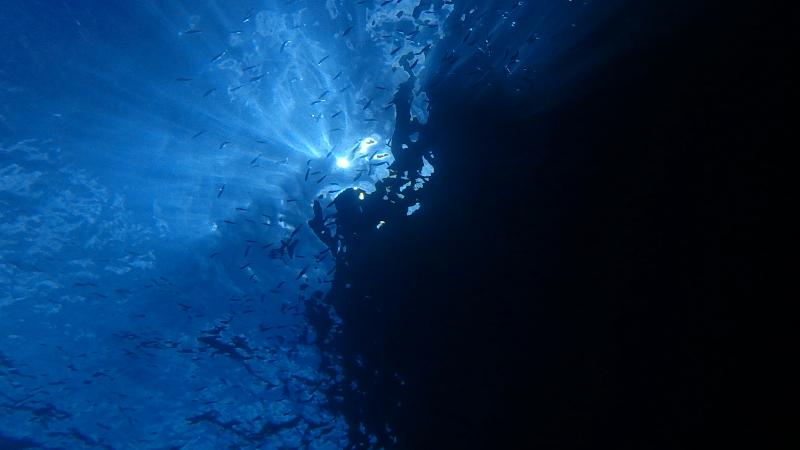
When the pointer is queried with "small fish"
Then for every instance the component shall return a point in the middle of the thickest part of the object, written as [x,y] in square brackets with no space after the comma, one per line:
[307,171]
[224,144]
[213,254]
[316,101]
[220,191]
[295,231]
[256,78]
[302,272]
[324,58]
[323,177]
[241,209]
[198,134]
[396,50]
[219,56]
[255,159]
[369,102]
[336,114]
[246,251]
[183,79]
[337,76]
[229,222]
[424,49]
[192,31]
[245,69]
[208,92]
[347,31]
[244,266]
[285,43]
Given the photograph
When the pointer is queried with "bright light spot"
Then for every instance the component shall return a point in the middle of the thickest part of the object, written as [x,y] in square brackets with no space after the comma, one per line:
[342,162]
[361,196]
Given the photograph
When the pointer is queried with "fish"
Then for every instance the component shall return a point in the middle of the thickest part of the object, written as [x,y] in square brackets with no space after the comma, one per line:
[369,102]
[183,79]
[303,272]
[307,171]
[192,31]
[336,114]
[324,58]
[424,49]
[285,43]
[219,56]
[244,266]
[198,134]
[337,76]
[208,92]
[255,159]
[224,144]
[347,31]
[295,231]
[230,222]
[256,78]
[220,191]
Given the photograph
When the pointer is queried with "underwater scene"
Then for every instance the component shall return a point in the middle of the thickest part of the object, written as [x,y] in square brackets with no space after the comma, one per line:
[325,224]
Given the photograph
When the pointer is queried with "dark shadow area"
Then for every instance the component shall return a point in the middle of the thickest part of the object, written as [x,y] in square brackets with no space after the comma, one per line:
[580,277]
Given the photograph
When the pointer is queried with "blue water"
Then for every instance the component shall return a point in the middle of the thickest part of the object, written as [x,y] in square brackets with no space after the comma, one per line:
[159,165]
